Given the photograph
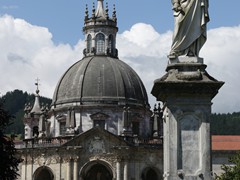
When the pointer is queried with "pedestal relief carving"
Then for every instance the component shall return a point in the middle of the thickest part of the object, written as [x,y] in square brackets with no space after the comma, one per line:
[189,140]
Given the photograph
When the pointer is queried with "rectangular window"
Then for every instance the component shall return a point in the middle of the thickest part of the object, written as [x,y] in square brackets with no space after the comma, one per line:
[135,128]
[99,123]
[62,128]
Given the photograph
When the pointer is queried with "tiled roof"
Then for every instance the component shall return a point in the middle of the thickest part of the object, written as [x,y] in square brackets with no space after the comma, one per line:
[227,143]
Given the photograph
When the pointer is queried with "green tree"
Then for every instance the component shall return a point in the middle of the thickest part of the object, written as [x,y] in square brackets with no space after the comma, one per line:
[8,161]
[231,172]
[14,103]
[225,124]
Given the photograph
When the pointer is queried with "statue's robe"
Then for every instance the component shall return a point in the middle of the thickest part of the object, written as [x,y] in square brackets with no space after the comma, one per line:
[190,27]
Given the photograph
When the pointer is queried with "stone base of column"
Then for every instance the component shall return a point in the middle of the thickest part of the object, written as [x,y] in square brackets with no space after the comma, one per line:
[186,91]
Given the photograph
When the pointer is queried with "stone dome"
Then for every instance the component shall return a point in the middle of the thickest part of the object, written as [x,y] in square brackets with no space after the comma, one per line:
[100,80]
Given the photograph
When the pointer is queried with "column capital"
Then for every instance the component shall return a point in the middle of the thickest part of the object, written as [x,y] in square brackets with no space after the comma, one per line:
[76,158]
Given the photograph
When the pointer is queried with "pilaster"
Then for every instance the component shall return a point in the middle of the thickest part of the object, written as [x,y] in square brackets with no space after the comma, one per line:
[75,170]
[118,169]
[125,171]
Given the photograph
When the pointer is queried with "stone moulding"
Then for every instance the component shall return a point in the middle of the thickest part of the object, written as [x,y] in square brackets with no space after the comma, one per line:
[182,78]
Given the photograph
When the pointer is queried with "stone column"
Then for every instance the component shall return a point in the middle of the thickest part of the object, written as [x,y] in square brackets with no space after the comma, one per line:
[24,170]
[120,126]
[59,160]
[118,167]
[186,92]
[125,171]
[106,125]
[75,171]
[69,169]
[31,165]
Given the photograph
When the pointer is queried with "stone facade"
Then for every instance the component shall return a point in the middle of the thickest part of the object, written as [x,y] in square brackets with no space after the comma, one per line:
[92,152]
[99,125]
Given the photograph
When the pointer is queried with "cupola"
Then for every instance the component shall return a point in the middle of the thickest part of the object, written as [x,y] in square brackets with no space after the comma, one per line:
[95,90]
[100,31]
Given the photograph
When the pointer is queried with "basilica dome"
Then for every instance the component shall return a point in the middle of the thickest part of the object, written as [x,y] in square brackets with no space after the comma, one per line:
[99,80]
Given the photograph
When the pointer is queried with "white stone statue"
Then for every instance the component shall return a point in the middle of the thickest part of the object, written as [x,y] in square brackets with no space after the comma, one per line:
[191,17]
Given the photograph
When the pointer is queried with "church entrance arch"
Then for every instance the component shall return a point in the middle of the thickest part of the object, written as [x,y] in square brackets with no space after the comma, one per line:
[43,173]
[96,170]
[150,174]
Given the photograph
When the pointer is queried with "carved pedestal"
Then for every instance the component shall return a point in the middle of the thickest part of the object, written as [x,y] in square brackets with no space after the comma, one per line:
[186,91]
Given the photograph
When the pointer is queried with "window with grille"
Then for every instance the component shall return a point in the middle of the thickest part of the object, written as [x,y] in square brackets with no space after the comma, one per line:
[62,128]
[100,43]
[99,123]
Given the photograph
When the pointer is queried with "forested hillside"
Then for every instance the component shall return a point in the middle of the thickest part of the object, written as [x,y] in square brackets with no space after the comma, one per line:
[225,124]
[14,102]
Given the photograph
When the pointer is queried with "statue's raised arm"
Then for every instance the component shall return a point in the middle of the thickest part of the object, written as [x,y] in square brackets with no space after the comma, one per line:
[191,17]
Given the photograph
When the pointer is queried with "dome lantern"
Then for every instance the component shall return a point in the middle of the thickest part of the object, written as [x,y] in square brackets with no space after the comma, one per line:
[100,32]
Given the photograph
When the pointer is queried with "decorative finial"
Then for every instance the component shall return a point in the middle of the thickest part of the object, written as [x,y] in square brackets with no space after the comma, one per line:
[37,84]
[107,16]
[86,13]
[114,16]
[159,107]
[155,107]
[93,10]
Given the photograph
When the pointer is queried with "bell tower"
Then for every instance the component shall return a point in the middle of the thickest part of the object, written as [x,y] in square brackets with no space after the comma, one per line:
[32,115]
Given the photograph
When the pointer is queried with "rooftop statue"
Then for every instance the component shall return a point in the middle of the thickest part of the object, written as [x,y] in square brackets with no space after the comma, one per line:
[191,17]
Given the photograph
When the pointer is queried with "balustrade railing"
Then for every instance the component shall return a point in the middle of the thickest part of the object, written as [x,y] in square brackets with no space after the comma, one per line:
[58,141]
[43,142]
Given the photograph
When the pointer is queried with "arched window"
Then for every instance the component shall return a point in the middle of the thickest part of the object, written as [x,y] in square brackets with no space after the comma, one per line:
[110,43]
[35,131]
[96,170]
[150,174]
[43,173]
[89,43]
[100,172]
[100,43]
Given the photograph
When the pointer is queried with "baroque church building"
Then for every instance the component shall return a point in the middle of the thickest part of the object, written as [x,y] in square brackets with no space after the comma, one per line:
[99,125]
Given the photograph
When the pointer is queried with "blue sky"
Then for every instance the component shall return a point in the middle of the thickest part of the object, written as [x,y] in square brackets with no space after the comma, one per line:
[43,38]
[64,19]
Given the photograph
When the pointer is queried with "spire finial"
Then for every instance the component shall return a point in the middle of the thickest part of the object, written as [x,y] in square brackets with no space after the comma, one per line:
[100,13]
[37,84]
[36,107]
[107,16]
[114,16]
[93,10]
[86,13]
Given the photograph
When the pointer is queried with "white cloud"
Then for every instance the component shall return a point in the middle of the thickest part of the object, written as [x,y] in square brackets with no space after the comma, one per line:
[143,40]
[28,52]
[221,54]
[141,34]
